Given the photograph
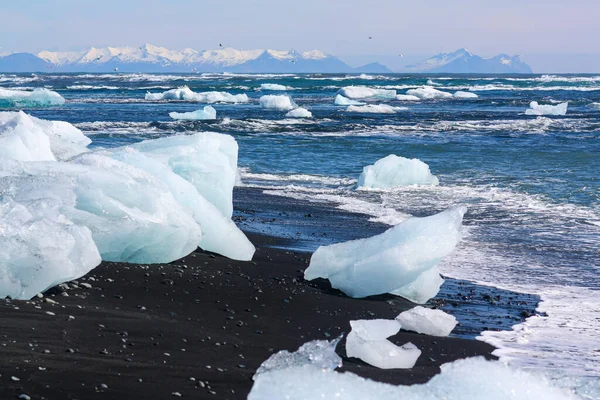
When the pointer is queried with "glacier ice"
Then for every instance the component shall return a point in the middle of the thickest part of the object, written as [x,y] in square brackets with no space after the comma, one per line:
[427,321]
[428,93]
[273,87]
[393,171]
[277,102]
[344,101]
[538,109]
[39,97]
[26,138]
[407,97]
[205,113]
[368,341]
[389,261]
[426,286]
[184,93]
[465,95]
[375,109]
[364,92]
[299,112]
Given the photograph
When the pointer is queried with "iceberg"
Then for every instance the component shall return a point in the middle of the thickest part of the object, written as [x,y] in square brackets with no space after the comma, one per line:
[344,101]
[393,171]
[538,109]
[390,261]
[207,112]
[375,109]
[428,93]
[277,102]
[273,87]
[368,341]
[363,92]
[427,321]
[299,112]
[37,98]
[184,93]
[407,97]
[26,138]
[465,95]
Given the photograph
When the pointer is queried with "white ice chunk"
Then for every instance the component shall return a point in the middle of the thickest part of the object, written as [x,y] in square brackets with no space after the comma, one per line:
[299,112]
[427,321]
[277,102]
[538,109]
[37,98]
[428,93]
[389,261]
[375,109]
[393,171]
[184,93]
[26,138]
[364,92]
[407,97]
[40,248]
[205,113]
[273,87]
[375,329]
[465,95]
[426,286]
[594,105]
[344,101]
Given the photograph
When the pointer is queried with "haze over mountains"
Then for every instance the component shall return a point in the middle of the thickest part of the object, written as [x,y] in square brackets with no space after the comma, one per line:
[150,58]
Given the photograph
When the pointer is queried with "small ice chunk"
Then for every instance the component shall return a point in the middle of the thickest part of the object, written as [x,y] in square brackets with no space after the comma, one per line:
[594,105]
[205,113]
[538,109]
[363,92]
[277,102]
[343,101]
[389,261]
[465,95]
[273,87]
[407,97]
[393,171]
[184,93]
[428,93]
[427,321]
[375,109]
[299,112]
[37,98]
[375,329]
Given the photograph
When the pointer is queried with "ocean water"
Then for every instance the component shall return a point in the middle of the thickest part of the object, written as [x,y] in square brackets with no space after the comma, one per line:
[530,182]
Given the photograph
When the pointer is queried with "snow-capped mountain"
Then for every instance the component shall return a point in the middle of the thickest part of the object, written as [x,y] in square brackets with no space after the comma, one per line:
[150,58]
[463,61]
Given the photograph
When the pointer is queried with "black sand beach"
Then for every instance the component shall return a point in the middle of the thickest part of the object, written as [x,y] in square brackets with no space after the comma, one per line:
[199,327]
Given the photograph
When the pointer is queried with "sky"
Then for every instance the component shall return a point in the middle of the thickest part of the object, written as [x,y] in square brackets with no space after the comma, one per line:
[552,35]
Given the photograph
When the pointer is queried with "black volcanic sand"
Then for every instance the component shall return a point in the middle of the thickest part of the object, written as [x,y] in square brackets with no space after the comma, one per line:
[199,327]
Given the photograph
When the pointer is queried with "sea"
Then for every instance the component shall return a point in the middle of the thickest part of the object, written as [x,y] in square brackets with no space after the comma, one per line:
[530,182]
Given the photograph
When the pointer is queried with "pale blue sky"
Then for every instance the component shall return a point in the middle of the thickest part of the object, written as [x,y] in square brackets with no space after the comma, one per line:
[545,32]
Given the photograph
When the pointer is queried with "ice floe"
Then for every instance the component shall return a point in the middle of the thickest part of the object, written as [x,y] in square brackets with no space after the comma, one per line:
[184,93]
[363,92]
[538,109]
[299,112]
[407,97]
[273,87]
[375,109]
[465,95]
[428,93]
[277,102]
[344,101]
[36,98]
[206,113]
[427,321]
[393,171]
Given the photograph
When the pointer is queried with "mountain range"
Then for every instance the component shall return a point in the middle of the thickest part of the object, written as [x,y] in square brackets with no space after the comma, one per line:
[463,61]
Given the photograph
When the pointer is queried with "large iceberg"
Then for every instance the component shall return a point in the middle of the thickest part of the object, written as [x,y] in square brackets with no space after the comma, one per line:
[344,101]
[538,109]
[299,112]
[184,93]
[393,171]
[375,109]
[368,341]
[363,92]
[277,102]
[37,98]
[390,261]
[427,321]
[428,93]
[206,113]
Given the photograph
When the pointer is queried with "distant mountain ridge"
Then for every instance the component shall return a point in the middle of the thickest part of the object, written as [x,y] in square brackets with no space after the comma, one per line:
[463,61]
[150,58]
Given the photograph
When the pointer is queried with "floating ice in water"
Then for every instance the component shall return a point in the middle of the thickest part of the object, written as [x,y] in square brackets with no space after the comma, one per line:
[40,247]
[318,354]
[344,101]
[407,97]
[465,95]
[299,112]
[26,138]
[594,105]
[428,93]
[363,92]
[537,109]
[273,86]
[277,102]
[393,171]
[207,112]
[389,261]
[368,341]
[184,93]
[37,98]
[427,321]
[375,109]
[426,286]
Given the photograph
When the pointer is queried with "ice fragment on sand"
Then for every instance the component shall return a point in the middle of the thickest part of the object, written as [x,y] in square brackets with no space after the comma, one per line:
[393,171]
[538,109]
[206,113]
[426,286]
[427,321]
